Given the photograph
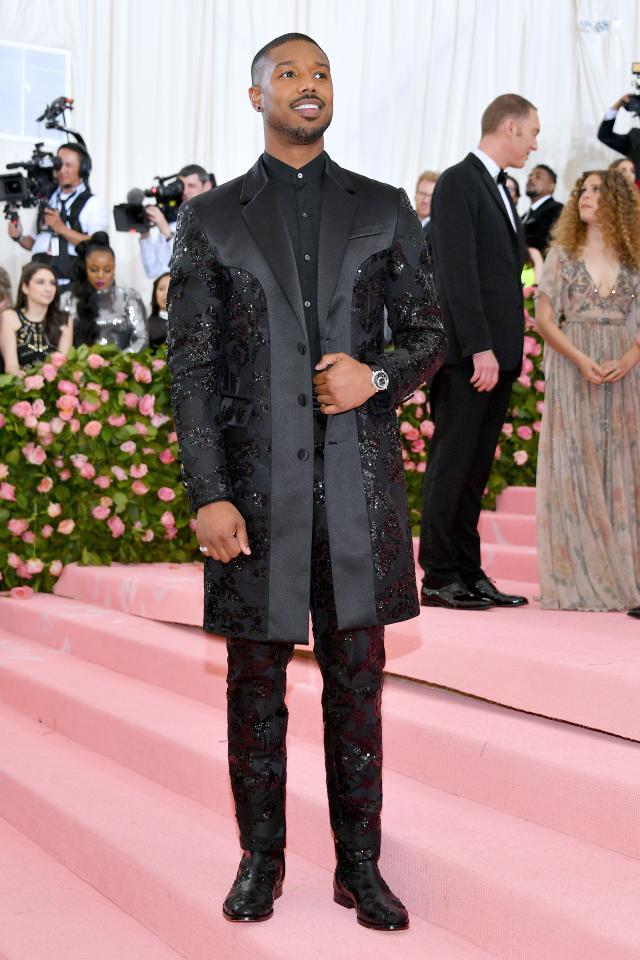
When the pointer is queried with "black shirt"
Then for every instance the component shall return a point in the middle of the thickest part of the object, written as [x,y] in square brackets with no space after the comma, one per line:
[299,194]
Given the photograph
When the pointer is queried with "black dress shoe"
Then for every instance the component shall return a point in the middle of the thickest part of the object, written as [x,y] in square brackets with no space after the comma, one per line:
[634,612]
[360,885]
[258,883]
[454,596]
[487,589]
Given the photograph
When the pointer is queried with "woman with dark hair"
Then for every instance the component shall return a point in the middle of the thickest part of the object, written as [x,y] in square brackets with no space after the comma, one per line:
[158,315]
[36,326]
[589,454]
[103,312]
[624,166]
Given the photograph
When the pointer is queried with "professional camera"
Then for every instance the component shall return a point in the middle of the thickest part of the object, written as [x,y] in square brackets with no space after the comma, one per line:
[633,103]
[37,183]
[131,216]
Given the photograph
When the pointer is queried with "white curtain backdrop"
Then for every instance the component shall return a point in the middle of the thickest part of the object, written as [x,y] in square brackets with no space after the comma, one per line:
[161,83]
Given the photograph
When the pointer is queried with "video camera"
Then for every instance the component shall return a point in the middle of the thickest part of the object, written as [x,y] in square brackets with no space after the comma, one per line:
[131,216]
[37,183]
[633,103]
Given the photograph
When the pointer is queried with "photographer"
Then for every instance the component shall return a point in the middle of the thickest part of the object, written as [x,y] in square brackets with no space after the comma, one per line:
[626,143]
[71,214]
[156,250]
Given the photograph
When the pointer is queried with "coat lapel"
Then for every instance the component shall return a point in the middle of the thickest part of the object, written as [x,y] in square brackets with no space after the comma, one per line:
[267,225]
[492,187]
[339,207]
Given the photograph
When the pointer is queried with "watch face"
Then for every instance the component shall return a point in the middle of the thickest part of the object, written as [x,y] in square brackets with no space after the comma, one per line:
[380,380]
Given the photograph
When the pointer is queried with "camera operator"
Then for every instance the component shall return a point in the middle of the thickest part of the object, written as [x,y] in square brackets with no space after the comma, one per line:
[626,143]
[156,250]
[71,214]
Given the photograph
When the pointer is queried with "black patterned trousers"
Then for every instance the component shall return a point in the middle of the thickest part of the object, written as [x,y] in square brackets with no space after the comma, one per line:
[352,664]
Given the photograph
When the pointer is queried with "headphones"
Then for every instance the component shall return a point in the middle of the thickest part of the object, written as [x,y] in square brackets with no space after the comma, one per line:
[85,159]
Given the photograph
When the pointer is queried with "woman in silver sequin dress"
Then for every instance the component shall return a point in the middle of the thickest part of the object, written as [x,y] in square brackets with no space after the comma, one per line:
[102,311]
[588,481]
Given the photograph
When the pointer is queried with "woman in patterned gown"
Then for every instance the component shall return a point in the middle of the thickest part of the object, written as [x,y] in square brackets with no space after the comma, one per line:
[589,455]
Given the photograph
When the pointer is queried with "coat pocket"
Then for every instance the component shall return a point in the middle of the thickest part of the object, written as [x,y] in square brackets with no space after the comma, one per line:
[369,231]
[235,411]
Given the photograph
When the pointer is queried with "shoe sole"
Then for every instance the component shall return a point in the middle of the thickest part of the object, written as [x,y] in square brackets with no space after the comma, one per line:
[346,901]
[447,606]
[267,916]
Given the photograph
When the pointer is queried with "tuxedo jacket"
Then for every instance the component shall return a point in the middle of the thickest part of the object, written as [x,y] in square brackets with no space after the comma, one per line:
[242,395]
[478,260]
[538,223]
[625,143]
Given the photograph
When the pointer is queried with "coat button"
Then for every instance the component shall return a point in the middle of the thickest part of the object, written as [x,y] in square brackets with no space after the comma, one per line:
[302,399]
[302,349]
[303,454]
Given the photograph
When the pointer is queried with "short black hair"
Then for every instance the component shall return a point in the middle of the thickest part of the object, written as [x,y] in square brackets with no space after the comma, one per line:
[191,168]
[552,173]
[278,42]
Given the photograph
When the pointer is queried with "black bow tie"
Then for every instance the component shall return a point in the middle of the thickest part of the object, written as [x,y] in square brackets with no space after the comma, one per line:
[502,178]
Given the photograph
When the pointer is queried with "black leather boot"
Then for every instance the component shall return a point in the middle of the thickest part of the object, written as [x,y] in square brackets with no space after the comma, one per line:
[359,885]
[258,883]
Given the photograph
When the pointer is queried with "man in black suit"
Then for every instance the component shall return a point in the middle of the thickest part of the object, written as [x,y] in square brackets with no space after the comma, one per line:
[625,143]
[479,250]
[544,210]
[284,402]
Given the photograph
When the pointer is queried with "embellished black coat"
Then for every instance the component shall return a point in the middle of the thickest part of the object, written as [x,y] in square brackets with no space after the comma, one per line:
[238,351]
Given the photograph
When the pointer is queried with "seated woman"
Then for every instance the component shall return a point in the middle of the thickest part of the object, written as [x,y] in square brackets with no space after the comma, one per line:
[589,454]
[158,315]
[103,312]
[36,327]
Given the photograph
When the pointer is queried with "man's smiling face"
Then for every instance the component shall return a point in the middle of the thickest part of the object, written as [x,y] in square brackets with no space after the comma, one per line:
[294,91]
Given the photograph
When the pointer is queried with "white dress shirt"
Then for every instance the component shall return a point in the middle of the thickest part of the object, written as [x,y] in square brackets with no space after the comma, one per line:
[156,251]
[494,169]
[93,218]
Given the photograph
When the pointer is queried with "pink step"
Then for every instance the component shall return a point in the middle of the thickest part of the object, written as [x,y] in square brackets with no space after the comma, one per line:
[526,766]
[505,561]
[169,862]
[50,914]
[515,529]
[517,500]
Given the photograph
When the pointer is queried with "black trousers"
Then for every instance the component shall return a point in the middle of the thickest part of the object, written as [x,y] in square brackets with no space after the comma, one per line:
[352,664]
[467,429]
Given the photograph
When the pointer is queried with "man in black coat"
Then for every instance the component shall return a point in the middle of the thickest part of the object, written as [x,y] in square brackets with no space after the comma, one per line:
[479,250]
[284,402]
[544,209]
[625,143]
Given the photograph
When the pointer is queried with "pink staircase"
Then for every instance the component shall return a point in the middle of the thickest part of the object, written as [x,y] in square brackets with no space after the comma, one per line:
[508,833]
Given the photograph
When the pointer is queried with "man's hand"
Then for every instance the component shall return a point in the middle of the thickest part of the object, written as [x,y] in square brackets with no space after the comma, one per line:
[158,219]
[54,221]
[222,530]
[620,101]
[15,229]
[343,383]
[485,370]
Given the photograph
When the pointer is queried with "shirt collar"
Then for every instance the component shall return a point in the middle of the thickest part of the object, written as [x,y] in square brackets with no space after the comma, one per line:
[69,196]
[295,177]
[492,167]
[540,201]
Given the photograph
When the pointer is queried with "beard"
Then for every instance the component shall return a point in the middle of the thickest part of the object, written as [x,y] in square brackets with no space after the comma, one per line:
[304,135]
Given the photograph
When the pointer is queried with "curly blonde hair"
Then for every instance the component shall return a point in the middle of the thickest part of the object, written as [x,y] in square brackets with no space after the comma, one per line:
[618,216]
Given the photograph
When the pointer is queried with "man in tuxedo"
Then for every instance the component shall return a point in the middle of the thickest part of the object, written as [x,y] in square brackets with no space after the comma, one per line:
[544,210]
[479,250]
[424,191]
[284,402]
[625,143]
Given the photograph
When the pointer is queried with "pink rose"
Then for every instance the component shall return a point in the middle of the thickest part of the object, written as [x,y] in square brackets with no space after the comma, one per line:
[38,407]
[172,437]
[139,470]
[117,421]
[405,426]
[530,343]
[4,471]
[79,460]
[527,365]
[421,467]
[119,473]
[159,419]
[28,536]
[54,509]
[67,386]
[418,445]
[34,382]
[146,404]
[31,422]
[166,456]
[147,536]
[46,531]
[418,413]
[95,361]
[507,429]
[78,376]
[131,400]
[170,533]
[427,428]
[537,426]
[58,359]
[139,488]
[540,407]
[166,494]
[57,425]
[55,568]
[121,376]
[14,561]
[128,446]
[22,409]
[103,482]
[49,372]
[17,527]
[45,485]
[411,434]
[65,474]
[524,380]
[104,395]
[66,404]
[88,472]
[116,526]
[419,396]
[148,451]
[142,374]
[498,454]
[539,385]
[521,457]
[93,428]
[157,364]
[106,502]
[524,432]
[193,524]
[89,406]
[141,430]
[167,519]
[7,491]
[21,593]
[528,292]
[409,465]
[66,526]
[34,454]
[34,565]
[2,420]
[100,513]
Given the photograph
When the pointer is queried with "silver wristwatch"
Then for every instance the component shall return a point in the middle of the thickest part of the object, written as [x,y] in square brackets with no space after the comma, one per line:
[379,378]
